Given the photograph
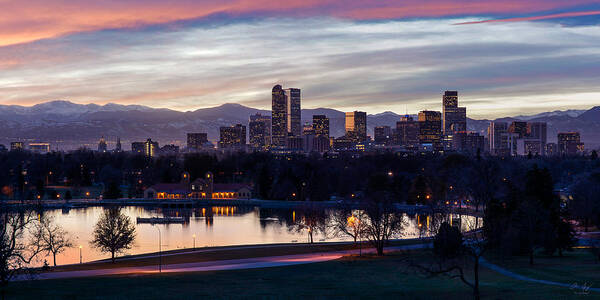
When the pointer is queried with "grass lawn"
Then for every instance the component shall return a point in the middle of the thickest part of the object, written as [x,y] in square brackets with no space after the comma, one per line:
[349,277]
[579,266]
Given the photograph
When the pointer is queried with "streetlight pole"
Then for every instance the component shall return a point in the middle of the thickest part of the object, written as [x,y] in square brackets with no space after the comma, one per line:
[80,256]
[194,237]
[159,251]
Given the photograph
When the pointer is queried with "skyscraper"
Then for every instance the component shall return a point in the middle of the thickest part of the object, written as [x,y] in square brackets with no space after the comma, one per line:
[14,146]
[498,138]
[293,110]
[382,135]
[321,125]
[258,134]
[278,117]
[285,115]
[150,148]
[430,128]
[454,118]
[268,126]
[195,141]
[118,147]
[356,126]
[233,136]
[407,132]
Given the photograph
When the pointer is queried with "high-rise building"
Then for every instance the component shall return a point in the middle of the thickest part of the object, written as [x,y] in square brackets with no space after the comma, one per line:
[293,111]
[169,149]
[569,143]
[551,149]
[258,134]
[233,136]
[285,115]
[321,144]
[14,146]
[102,146]
[196,140]
[382,135]
[150,148]
[321,125]
[430,128]
[268,126]
[454,118]
[519,128]
[407,132]
[498,138]
[118,147]
[356,126]
[39,147]
[468,142]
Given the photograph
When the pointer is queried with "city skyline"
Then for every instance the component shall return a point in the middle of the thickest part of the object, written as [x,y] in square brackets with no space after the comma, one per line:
[370,57]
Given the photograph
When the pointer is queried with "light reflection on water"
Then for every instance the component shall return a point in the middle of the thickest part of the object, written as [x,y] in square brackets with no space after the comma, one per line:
[212,226]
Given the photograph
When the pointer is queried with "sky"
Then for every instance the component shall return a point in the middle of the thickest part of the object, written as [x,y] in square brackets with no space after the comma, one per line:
[505,57]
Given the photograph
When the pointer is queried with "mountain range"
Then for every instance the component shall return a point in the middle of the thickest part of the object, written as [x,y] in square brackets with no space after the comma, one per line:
[67,125]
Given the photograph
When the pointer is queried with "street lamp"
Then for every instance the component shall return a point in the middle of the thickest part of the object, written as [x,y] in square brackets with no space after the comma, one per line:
[159,251]
[194,237]
[80,257]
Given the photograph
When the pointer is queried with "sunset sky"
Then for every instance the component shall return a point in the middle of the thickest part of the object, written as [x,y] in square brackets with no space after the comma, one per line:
[505,57]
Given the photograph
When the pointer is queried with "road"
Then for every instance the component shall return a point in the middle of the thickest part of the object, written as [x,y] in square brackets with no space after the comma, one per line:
[234,264]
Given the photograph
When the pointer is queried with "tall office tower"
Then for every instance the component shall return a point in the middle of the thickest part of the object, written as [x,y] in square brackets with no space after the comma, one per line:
[430,128]
[150,148]
[308,129]
[293,111]
[321,125]
[233,136]
[407,132]
[14,146]
[498,138]
[454,118]
[258,134]
[535,140]
[538,130]
[382,135]
[356,126]
[102,146]
[196,140]
[279,117]
[267,120]
[137,147]
[551,149]
[569,143]
[468,142]
[118,147]
[519,128]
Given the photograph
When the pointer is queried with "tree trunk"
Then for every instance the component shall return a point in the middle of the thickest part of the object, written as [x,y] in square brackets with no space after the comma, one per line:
[113,256]
[54,256]
[380,249]
[310,235]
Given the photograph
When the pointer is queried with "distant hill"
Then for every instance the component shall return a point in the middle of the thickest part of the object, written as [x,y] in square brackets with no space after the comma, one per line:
[70,125]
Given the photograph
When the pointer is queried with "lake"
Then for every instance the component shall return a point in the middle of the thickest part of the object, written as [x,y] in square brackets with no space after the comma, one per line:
[211,226]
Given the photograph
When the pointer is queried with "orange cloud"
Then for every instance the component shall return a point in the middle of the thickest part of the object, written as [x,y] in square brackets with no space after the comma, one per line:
[26,21]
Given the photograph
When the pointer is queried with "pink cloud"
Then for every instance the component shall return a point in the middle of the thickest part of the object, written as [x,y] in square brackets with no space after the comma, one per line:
[26,21]
[544,17]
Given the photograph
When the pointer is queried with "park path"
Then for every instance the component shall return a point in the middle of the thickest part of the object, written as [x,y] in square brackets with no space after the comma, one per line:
[233,264]
[514,275]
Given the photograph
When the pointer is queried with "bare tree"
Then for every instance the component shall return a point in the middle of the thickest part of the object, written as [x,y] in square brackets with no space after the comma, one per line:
[311,218]
[384,221]
[15,252]
[114,233]
[352,223]
[53,239]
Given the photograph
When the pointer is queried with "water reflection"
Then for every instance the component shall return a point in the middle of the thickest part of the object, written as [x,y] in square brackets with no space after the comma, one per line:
[217,226]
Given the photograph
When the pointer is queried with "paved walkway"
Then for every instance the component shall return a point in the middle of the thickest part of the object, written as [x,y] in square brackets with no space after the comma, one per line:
[514,275]
[234,264]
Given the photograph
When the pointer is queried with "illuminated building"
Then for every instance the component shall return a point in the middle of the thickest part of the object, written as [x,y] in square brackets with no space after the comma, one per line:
[150,148]
[430,128]
[258,133]
[295,143]
[569,143]
[201,188]
[407,132]
[499,138]
[468,142]
[454,118]
[551,149]
[321,125]
[383,135]
[519,128]
[232,136]
[196,140]
[321,144]
[39,147]
[14,146]
[102,146]
[285,115]
[278,117]
[356,126]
